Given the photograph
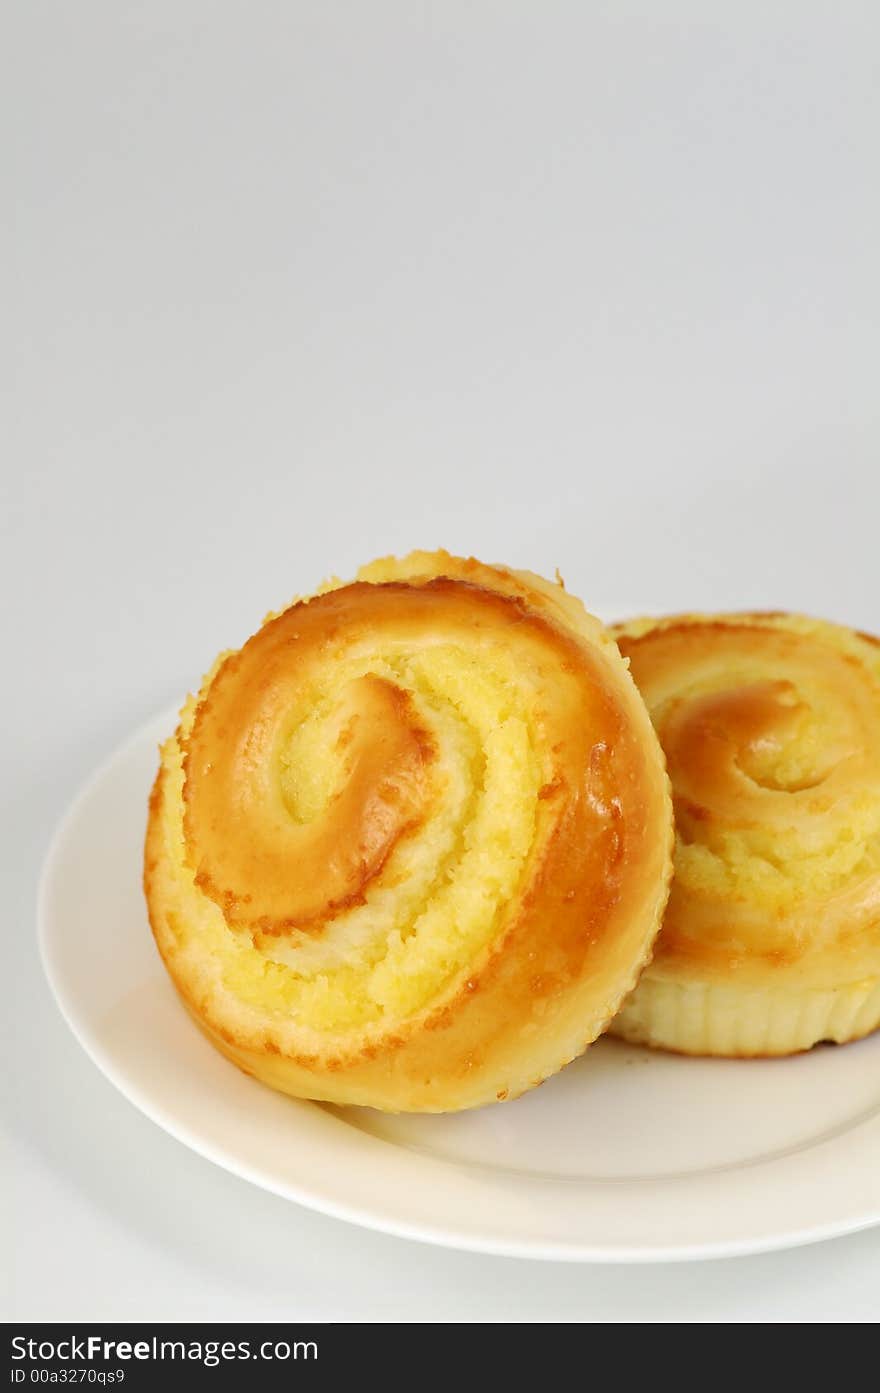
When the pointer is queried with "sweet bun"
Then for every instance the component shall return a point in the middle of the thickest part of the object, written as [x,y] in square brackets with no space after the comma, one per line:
[771,939]
[410,847]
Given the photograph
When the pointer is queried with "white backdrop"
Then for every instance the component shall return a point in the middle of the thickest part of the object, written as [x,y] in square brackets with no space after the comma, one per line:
[289,285]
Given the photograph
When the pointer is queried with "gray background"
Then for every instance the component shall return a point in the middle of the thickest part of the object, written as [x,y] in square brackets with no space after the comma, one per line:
[291,285]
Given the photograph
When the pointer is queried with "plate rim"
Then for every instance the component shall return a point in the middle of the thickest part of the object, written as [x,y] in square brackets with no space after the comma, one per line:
[379,1217]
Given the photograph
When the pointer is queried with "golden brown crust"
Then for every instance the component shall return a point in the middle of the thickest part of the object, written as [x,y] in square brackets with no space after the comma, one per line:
[335,761]
[771,727]
[244,863]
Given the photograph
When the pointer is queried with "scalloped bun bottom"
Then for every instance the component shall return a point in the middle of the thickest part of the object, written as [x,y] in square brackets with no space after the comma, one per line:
[710,1019]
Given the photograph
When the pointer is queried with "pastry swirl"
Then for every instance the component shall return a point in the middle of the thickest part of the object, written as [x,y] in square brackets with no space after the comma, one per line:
[411,845]
[771,728]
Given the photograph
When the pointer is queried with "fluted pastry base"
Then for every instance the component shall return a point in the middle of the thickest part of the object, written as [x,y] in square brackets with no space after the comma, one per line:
[702,1018]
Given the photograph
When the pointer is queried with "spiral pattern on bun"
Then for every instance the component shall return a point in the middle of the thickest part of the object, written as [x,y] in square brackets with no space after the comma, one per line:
[771,728]
[411,845]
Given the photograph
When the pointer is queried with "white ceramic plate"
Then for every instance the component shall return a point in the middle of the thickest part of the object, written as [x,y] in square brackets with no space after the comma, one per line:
[626,1156]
